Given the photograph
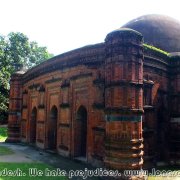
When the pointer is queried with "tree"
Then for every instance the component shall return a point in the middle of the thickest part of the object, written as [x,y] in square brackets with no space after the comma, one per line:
[16,50]
[24,52]
[38,54]
[4,78]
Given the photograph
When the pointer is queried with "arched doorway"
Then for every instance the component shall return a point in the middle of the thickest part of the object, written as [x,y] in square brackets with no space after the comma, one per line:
[33,126]
[52,128]
[80,141]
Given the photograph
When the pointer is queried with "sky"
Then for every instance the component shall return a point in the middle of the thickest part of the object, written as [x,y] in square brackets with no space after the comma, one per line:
[64,25]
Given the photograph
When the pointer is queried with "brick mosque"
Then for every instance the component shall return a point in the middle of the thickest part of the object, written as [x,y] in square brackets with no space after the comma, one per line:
[114,104]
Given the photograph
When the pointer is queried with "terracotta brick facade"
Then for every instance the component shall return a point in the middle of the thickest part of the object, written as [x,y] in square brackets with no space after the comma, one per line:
[115,104]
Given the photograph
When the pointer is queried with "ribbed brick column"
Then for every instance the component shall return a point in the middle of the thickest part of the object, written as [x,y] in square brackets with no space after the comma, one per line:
[124,99]
[15,104]
[174,124]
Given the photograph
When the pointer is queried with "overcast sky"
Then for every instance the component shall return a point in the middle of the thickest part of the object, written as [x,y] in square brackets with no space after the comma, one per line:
[63,25]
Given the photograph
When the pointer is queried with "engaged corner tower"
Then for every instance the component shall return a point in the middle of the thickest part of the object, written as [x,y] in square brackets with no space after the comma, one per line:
[15,105]
[124,99]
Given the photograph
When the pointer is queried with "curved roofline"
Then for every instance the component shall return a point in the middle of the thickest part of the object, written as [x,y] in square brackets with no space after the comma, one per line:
[63,59]
[48,61]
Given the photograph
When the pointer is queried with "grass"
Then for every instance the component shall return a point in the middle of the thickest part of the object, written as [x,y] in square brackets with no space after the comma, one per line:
[3,134]
[174,171]
[5,151]
[24,170]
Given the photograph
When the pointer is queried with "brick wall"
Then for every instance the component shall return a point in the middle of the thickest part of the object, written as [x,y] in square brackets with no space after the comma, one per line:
[102,102]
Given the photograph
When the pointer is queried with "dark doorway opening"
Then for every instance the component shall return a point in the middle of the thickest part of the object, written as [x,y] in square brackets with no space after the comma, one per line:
[33,126]
[80,142]
[52,129]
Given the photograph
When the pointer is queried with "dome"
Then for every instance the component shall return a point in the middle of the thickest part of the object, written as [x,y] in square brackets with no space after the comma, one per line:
[158,30]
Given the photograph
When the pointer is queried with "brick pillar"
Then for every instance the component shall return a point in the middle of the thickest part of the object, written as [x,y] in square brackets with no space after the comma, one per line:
[124,99]
[15,104]
[173,130]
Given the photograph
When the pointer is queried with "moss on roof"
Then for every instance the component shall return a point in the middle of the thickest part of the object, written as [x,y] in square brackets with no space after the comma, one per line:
[147,46]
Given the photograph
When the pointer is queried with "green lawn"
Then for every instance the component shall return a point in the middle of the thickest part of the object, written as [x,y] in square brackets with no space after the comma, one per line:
[173,170]
[23,170]
[3,134]
[5,151]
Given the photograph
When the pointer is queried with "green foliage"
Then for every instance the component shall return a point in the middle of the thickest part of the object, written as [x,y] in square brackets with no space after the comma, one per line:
[38,54]
[3,134]
[147,46]
[16,51]
[25,53]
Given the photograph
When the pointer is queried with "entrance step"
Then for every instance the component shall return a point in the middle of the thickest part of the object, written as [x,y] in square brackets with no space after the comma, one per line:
[51,151]
[81,159]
